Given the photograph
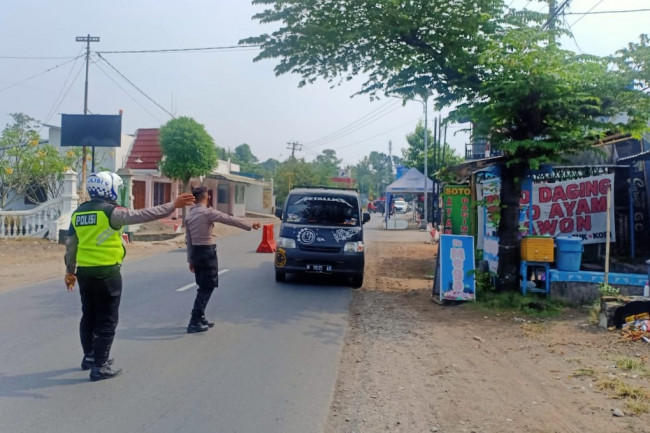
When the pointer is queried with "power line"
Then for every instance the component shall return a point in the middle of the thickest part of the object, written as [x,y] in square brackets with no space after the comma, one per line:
[40,73]
[592,8]
[62,95]
[608,12]
[33,58]
[136,87]
[362,122]
[179,50]
[127,93]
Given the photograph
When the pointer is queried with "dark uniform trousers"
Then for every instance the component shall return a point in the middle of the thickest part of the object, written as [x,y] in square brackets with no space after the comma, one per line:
[100,289]
[206,275]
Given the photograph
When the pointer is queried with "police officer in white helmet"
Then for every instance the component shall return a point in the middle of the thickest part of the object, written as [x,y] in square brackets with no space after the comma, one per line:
[93,257]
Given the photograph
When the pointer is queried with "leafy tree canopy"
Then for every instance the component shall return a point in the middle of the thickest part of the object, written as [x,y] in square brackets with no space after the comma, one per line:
[499,66]
[406,48]
[188,150]
[28,166]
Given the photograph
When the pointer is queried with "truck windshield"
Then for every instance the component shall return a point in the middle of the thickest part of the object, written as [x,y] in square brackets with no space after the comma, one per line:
[322,210]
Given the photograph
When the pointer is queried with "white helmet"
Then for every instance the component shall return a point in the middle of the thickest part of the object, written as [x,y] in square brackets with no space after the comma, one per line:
[104,184]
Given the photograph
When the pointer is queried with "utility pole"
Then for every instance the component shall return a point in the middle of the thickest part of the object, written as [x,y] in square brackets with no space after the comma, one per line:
[426,169]
[553,12]
[294,146]
[87,39]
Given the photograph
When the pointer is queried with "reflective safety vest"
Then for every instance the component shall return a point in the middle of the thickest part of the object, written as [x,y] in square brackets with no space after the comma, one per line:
[99,243]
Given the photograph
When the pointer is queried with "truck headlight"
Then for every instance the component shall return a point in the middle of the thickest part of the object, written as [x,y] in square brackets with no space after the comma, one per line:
[353,247]
[286,242]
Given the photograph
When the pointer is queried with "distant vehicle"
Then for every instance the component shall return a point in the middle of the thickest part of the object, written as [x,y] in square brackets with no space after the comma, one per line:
[400,206]
[321,233]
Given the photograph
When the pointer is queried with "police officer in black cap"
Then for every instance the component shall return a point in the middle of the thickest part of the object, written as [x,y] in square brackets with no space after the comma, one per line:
[202,252]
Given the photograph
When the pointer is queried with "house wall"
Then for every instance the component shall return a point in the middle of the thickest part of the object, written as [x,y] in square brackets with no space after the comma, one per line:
[255,199]
[149,177]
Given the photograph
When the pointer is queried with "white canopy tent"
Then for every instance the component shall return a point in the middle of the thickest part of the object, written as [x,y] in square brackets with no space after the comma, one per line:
[413,181]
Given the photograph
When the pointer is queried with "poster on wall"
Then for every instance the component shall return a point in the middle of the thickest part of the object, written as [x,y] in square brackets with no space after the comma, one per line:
[488,196]
[454,278]
[457,210]
[574,207]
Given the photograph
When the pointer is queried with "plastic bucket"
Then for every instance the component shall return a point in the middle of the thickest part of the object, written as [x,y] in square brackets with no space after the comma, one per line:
[569,253]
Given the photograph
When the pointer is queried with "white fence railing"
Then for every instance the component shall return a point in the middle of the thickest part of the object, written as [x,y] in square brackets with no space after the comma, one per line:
[30,223]
[46,219]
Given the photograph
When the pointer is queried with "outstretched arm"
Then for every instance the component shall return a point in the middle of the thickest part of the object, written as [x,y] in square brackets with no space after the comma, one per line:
[121,216]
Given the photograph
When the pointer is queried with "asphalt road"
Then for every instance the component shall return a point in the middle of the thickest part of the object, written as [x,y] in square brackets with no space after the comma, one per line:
[268,365]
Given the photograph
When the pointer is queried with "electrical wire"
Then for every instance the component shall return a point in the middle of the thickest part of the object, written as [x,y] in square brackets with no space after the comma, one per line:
[39,74]
[135,87]
[608,12]
[63,92]
[592,8]
[127,93]
[179,50]
[33,58]
[360,123]
[410,122]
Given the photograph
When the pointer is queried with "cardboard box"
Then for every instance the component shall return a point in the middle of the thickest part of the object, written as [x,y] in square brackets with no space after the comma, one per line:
[537,249]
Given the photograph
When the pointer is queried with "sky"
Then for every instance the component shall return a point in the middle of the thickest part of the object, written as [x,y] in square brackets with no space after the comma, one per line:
[237,100]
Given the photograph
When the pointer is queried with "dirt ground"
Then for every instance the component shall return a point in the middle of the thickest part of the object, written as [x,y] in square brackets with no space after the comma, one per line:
[411,365]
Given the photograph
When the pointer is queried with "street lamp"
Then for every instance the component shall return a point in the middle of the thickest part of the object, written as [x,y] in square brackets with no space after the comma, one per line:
[425,221]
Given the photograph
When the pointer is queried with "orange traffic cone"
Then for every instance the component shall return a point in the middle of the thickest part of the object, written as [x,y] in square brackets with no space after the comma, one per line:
[268,243]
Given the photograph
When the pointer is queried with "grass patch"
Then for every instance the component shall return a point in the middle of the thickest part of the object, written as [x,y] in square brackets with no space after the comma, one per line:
[514,302]
[637,407]
[531,329]
[584,372]
[487,298]
[630,364]
[636,399]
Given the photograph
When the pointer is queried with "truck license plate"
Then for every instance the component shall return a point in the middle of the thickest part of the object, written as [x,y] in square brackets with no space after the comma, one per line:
[319,268]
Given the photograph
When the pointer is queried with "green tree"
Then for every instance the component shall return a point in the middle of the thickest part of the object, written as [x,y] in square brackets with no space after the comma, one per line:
[245,158]
[188,150]
[414,154]
[27,166]
[291,173]
[269,168]
[538,102]
[45,167]
[326,166]
[373,173]
[534,100]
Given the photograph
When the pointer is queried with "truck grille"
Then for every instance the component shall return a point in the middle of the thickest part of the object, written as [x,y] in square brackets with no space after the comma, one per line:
[315,249]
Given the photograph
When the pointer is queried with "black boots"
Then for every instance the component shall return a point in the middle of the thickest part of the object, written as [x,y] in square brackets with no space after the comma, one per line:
[198,323]
[196,326]
[104,372]
[206,322]
[89,360]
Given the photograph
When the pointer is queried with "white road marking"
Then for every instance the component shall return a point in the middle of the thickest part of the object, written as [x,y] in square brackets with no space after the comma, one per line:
[189,286]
